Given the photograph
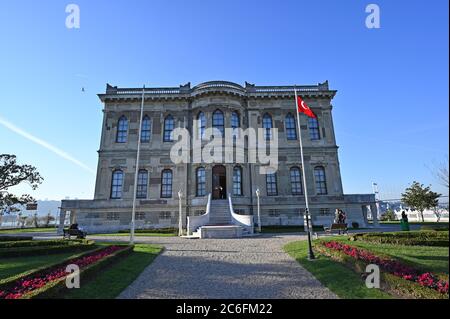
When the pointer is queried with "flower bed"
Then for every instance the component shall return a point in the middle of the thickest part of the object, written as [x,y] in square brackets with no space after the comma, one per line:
[43,281]
[390,266]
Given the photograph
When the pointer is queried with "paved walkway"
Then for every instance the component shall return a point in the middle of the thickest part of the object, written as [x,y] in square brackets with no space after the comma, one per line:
[224,268]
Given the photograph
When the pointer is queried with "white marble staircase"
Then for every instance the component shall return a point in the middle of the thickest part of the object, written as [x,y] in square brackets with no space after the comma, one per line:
[220,221]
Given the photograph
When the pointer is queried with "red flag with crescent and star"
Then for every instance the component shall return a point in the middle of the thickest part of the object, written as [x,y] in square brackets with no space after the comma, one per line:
[303,108]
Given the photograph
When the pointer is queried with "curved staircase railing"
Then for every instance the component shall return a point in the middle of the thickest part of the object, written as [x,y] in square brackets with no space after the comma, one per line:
[194,222]
[246,221]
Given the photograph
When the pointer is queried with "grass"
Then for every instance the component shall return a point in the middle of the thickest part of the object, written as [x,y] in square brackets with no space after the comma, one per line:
[342,281]
[425,258]
[113,280]
[27,230]
[16,266]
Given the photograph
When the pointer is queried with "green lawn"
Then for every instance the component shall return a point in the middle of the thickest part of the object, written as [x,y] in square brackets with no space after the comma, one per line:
[426,258]
[22,265]
[342,281]
[348,284]
[113,280]
[27,230]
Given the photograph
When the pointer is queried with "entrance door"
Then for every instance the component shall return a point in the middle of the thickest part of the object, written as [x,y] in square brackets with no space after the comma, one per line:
[219,182]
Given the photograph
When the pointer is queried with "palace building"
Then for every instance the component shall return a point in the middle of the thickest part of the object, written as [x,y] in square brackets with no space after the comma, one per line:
[219,193]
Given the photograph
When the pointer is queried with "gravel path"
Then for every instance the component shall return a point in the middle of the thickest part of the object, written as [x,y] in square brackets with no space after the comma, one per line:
[224,268]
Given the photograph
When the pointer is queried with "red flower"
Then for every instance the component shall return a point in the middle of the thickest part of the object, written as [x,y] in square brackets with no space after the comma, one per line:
[392,266]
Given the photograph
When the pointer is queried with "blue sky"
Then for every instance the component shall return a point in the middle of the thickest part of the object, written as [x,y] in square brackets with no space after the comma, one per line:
[390,113]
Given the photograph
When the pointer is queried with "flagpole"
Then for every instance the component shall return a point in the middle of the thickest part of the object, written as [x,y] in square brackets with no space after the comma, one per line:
[307,215]
[136,172]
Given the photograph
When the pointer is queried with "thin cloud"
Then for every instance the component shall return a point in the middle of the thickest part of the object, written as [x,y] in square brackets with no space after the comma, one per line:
[44,144]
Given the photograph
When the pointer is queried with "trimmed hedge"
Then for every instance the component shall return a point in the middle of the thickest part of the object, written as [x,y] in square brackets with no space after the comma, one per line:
[57,288]
[156,230]
[15,238]
[389,283]
[411,238]
[45,250]
[36,243]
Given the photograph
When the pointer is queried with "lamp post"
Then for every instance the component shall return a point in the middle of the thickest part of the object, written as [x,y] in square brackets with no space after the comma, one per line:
[180,214]
[259,212]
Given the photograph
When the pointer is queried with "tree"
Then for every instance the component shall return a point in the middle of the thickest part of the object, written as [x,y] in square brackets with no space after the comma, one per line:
[389,215]
[420,198]
[13,174]
[441,173]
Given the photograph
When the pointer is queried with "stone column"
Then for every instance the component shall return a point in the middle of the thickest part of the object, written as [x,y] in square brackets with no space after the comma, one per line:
[62,218]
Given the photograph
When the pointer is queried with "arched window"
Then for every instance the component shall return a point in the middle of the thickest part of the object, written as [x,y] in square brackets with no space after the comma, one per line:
[201,182]
[314,131]
[271,184]
[201,122]
[142,183]
[146,129]
[218,122]
[237,181]
[166,183]
[321,181]
[267,125]
[122,130]
[289,123]
[235,124]
[116,184]
[296,181]
[169,125]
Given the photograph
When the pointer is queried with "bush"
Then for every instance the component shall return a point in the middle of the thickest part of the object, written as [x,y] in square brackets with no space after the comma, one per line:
[15,238]
[435,227]
[45,250]
[389,216]
[154,230]
[36,243]
[412,238]
[355,225]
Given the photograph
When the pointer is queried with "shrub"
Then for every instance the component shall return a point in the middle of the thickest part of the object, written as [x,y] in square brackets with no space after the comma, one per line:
[435,227]
[45,250]
[36,243]
[15,238]
[412,238]
[391,266]
[152,230]
[355,225]
[49,281]
[389,215]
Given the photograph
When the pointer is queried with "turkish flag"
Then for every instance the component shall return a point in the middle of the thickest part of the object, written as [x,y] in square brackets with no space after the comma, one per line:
[303,108]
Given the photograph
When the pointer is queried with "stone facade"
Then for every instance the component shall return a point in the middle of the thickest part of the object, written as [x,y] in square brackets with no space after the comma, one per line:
[183,104]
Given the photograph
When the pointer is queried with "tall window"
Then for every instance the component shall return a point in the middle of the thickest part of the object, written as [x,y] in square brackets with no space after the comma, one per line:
[166,183]
[321,181]
[235,124]
[219,122]
[314,132]
[267,125]
[237,181]
[201,181]
[201,125]
[289,123]
[122,130]
[116,184]
[271,184]
[169,125]
[142,183]
[146,129]
[296,181]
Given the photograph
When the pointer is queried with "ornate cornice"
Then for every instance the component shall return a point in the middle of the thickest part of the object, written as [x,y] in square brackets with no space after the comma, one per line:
[185,92]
